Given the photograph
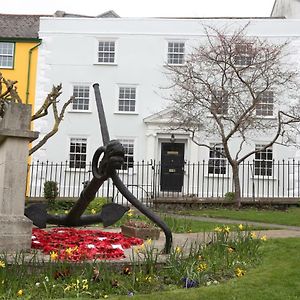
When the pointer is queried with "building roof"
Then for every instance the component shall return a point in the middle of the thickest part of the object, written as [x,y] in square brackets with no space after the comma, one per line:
[107,14]
[19,26]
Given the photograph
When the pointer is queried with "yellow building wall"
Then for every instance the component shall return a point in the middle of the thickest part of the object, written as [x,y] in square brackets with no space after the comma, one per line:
[26,82]
[24,59]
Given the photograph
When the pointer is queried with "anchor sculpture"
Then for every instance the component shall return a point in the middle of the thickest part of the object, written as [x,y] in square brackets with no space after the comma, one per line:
[113,158]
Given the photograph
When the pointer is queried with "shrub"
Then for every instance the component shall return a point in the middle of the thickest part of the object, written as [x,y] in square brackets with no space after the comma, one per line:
[229,196]
[50,190]
[96,205]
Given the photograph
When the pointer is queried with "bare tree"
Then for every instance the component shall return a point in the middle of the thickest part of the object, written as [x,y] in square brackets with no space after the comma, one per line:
[234,87]
[8,92]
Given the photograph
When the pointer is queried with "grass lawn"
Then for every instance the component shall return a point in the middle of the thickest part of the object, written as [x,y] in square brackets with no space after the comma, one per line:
[186,225]
[288,217]
[277,278]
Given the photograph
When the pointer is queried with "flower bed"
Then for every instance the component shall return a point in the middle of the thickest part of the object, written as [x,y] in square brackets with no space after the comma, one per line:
[77,244]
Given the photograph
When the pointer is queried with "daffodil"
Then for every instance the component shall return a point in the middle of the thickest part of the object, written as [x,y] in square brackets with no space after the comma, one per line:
[105,296]
[202,267]
[264,238]
[69,251]
[230,249]
[239,272]
[85,285]
[253,235]
[20,293]
[53,255]
[178,249]
[241,227]
[218,229]
[93,211]
[130,213]
[2,264]
[226,229]
[149,241]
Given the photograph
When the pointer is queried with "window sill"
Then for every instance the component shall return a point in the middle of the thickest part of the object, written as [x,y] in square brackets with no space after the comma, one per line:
[174,65]
[220,176]
[77,170]
[7,68]
[80,111]
[263,177]
[129,172]
[266,117]
[126,113]
[105,64]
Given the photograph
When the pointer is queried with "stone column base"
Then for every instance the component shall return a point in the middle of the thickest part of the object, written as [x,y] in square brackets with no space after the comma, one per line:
[15,233]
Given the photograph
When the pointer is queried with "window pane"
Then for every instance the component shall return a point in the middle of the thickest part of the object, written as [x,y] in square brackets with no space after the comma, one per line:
[217,160]
[265,104]
[78,152]
[128,145]
[263,164]
[82,95]
[6,54]
[127,99]
[106,51]
[175,53]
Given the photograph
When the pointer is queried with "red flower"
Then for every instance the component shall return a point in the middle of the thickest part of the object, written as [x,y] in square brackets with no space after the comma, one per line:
[80,244]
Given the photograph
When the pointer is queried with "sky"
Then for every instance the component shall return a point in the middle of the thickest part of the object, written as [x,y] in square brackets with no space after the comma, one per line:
[143,8]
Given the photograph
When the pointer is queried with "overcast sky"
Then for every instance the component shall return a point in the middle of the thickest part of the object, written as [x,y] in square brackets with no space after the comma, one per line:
[143,8]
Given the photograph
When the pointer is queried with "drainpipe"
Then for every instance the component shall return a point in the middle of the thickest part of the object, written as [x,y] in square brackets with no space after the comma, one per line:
[28,72]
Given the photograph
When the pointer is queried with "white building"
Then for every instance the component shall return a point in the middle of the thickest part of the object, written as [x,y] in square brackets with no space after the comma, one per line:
[127,57]
[286,8]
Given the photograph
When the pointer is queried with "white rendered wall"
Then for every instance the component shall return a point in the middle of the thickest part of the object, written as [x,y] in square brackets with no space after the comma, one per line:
[68,55]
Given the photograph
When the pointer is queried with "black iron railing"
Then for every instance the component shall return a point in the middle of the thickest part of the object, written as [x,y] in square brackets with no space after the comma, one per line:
[201,179]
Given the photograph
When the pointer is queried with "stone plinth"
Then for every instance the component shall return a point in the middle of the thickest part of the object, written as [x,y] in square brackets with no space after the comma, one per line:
[15,135]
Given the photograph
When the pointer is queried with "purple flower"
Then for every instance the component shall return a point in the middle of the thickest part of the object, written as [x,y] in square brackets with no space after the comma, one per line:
[189,283]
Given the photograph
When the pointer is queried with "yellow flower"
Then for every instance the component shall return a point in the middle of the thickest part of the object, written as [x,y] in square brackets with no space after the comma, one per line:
[20,293]
[66,212]
[140,248]
[178,249]
[148,278]
[85,285]
[148,241]
[202,267]
[93,211]
[230,249]
[241,227]
[253,235]
[105,296]
[226,229]
[53,255]
[130,213]
[264,238]
[2,264]
[69,251]
[239,272]
[218,229]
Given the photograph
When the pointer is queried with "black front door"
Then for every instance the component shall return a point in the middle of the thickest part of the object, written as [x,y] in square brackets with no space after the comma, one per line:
[172,161]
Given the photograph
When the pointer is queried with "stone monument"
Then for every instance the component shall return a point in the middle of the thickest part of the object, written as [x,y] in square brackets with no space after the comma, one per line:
[15,136]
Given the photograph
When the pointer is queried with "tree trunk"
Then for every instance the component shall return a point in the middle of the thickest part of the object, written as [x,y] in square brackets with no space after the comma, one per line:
[237,186]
